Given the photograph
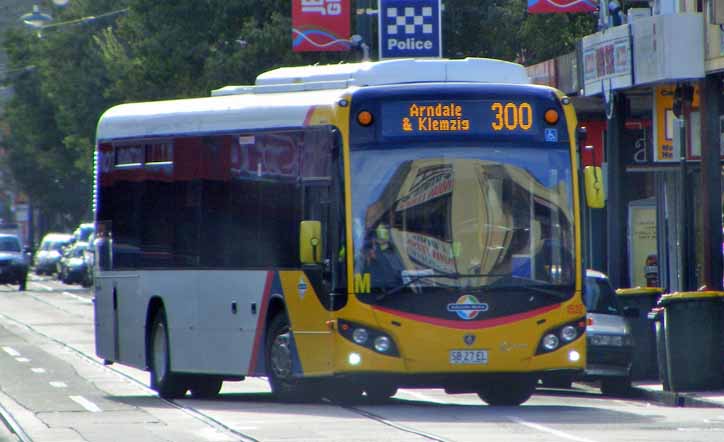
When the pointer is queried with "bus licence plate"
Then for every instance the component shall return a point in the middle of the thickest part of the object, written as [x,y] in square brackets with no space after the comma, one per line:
[469,357]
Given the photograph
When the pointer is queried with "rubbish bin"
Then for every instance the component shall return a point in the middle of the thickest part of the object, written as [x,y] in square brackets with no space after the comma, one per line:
[642,299]
[694,344]
[657,316]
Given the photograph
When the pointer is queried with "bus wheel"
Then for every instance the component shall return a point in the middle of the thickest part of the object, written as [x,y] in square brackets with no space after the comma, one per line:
[508,390]
[169,385]
[278,350]
[205,387]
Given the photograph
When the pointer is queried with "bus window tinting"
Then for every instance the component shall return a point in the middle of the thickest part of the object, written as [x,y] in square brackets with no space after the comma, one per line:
[224,202]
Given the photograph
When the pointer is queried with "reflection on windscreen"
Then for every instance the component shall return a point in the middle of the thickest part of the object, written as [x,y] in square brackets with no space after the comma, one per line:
[484,220]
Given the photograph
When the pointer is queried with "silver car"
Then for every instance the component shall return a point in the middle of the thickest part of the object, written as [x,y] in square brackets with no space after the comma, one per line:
[610,341]
[609,348]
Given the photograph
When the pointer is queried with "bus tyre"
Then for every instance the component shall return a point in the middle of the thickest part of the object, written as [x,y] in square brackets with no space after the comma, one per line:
[508,390]
[279,360]
[169,385]
[206,387]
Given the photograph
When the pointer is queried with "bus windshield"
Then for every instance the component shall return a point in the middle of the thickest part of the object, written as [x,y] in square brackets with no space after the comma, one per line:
[463,216]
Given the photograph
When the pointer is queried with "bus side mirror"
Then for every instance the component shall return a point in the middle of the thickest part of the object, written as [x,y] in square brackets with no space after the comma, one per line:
[310,242]
[593,181]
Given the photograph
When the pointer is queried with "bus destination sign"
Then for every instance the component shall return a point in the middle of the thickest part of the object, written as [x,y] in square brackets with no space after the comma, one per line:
[429,118]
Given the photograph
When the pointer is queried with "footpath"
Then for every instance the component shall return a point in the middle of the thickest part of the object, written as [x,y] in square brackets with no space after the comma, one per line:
[654,392]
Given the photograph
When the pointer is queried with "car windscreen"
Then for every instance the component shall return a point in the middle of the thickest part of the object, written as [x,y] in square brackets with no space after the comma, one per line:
[9,245]
[599,296]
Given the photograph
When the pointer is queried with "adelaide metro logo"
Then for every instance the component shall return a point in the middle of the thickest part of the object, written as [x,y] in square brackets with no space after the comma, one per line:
[467,307]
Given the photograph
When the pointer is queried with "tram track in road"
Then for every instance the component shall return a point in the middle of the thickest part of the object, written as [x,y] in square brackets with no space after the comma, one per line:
[229,430]
[389,423]
[13,426]
[199,415]
[207,419]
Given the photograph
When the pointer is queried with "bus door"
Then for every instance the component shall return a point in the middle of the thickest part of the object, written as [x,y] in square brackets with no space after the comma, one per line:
[115,298]
[309,298]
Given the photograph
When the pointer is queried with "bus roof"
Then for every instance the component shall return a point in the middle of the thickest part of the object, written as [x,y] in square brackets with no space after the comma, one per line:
[210,115]
[294,92]
[339,76]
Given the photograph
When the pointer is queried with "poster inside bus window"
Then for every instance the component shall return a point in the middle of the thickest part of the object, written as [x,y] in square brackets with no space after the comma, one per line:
[465,117]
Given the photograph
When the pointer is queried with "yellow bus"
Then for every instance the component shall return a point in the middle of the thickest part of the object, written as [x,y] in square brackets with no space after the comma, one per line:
[344,231]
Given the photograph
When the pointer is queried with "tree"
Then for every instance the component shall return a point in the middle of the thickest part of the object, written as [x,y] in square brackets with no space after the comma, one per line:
[163,49]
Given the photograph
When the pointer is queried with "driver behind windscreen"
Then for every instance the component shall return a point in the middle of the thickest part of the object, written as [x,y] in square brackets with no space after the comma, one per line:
[382,261]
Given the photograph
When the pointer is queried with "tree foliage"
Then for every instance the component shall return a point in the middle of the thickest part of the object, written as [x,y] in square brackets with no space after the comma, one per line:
[162,49]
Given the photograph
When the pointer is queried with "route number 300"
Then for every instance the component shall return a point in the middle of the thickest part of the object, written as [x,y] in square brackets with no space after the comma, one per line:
[511,116]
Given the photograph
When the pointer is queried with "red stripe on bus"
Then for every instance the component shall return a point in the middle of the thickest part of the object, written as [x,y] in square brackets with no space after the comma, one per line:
[469,325]
[308,117]
[260,326]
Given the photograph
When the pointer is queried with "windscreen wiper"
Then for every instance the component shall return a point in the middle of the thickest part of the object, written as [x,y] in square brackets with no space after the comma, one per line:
[547,288]
[421,276]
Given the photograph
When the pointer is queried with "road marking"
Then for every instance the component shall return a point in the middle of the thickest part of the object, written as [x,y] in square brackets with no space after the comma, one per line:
[11,351]
[80,298]
[22,359]
[421,397]
[37,370]
[545,429]
[58,384]
[85,403]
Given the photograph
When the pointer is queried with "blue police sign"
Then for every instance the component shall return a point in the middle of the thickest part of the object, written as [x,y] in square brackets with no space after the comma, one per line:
[409,28]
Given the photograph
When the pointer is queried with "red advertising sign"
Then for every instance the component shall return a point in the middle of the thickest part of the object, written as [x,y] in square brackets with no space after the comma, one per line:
[320,25]
[560,6]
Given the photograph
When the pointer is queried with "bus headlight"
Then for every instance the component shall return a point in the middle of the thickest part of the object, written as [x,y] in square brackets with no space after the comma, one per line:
[555,338]
[368,337]
[360,336]
[382,344]
[550,342]
[569,333]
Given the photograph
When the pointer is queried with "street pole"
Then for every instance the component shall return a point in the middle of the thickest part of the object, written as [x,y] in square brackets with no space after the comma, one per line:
[710,91]
[615,208]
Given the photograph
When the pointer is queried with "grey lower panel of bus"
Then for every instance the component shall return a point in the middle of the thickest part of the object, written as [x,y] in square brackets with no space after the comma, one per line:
[211,320]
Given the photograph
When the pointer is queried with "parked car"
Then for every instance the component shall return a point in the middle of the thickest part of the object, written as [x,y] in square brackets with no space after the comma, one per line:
[72,266]
[50,251]
[610,343]
[14,261]
[83,232]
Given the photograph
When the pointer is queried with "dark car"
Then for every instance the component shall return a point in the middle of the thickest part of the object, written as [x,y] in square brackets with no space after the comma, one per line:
[72,266]
[14,261]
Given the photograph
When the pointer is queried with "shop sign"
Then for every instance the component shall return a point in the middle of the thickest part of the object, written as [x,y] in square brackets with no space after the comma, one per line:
[668,48]
[607,61]
[665,149]
[561,6]
[320,25]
